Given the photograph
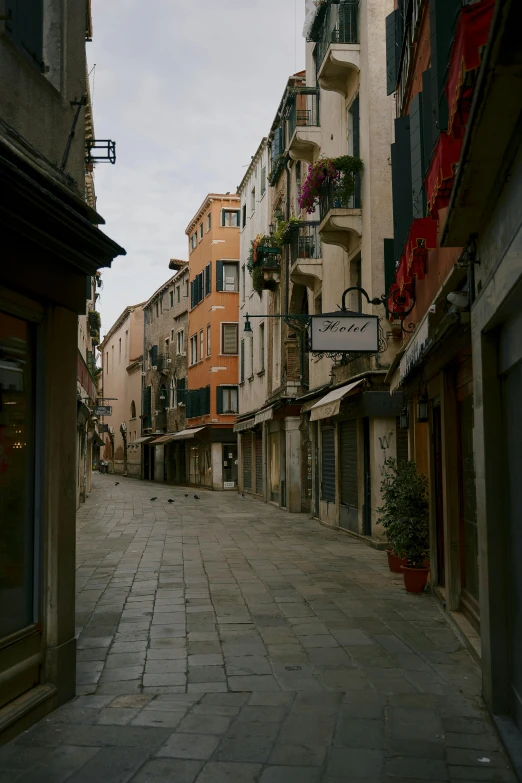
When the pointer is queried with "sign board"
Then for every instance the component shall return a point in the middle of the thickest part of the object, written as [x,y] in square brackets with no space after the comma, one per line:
[345,332]
[103,410]
[416,347]
[229,484]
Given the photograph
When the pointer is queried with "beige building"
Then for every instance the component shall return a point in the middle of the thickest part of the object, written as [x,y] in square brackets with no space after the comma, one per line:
[51,242]
[120,388]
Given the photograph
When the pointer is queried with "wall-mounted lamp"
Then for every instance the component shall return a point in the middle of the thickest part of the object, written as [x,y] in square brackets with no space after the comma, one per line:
[248,325]
[404,419]
[271,229]
[422,408]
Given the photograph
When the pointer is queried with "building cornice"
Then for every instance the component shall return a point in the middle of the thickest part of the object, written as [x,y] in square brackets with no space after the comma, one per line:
[204,206]
[255,160]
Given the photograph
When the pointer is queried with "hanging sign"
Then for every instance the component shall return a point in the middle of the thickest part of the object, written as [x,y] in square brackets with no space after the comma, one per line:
[103,410]
[345,331]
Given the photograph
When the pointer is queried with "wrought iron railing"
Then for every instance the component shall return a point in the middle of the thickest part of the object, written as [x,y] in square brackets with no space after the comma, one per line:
[163,362]
[340,25]
[333,194]
[303,110]
[306,242]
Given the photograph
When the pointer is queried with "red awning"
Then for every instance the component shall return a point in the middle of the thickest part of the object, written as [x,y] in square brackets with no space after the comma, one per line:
[421,238]
[471,35]
[439,179]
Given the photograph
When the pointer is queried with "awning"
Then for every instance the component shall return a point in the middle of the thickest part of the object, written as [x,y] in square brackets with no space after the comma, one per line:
[186,434]
[308,405]
[247,424]
[330,405]
[265,415]
[164,439]
[441,174]
[141,440]
[97,439]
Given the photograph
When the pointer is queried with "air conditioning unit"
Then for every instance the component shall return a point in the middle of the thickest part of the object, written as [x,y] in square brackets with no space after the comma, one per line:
[169,361]
[144,373]
[154,367]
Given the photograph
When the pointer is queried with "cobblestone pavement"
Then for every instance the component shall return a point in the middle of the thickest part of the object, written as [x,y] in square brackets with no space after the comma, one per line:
[224,641]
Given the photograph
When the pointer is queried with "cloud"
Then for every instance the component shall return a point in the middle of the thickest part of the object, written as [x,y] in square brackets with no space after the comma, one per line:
[187,89]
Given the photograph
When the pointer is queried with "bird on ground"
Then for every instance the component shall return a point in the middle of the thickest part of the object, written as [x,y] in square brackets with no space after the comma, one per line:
[196,497]
[186,496]
[242,494]
[154,499]
[117,483]
[170,500]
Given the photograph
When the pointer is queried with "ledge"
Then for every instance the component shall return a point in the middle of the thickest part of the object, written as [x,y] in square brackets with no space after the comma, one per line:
[340,68]
[305,143]
[342,227]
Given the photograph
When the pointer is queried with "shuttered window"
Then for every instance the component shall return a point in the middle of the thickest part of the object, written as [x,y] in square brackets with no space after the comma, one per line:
[219,276]
[197,402]
[181,390]
[229,339]
[348,456]
[429,127]
[226,399]
[247,461]
[24,25]
[208,279]
[443,20]
[147,407]
[154,355]
[230,277]
[242,368]
[401,184]
[328,465]
[418,193]
[259,463]
[389,264]
[392,51]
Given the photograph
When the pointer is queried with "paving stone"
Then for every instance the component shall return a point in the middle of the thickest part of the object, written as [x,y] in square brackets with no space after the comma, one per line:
[204,724]
[175,678]
[168,771]
[112,716]
[163,718]
[113,765]
[360,763]
[359,733]
[189,746]
[206,674]
[227,772]
[259,682]
[227,699]
[290,775]
[247,665]
[414,724]
[418,768]
[58,765]
[252,749]
[129,702]
[291,754]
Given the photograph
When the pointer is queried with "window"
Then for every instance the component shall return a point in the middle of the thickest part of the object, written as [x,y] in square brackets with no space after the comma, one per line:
[263,181]
[119,351]
[242,362]
[208,279]
[227,399]
[172,335]
[252,356]
[167,343]
[127,343]
[157,309]
[193,240]
[171,294]
[181,389]
[180,348]
[261,347]
[201,230]
[112,357]
[107,362]
[227,274]
[253,201]
[25,26]
[201,344]
[243,217]
[243,270]
[161,303]
[197,402]
[172,394]
[319,304]
[209,221]
[186,288]
[194,349]
[178,294]
[208,339]
[229,338]
[230,218]
[196,290]
[133,410]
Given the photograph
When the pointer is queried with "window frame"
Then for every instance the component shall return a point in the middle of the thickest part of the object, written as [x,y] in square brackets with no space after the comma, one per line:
[180,334]
[209,221]
[222,330]
[193,350]
[209,340]
[236,211]
[235,264]
[227,390]
[261,350]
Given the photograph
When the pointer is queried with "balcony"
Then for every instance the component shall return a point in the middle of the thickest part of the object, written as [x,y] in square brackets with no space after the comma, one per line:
[163,362]
[341,220]
[304,132]
[306,254]
[337,49]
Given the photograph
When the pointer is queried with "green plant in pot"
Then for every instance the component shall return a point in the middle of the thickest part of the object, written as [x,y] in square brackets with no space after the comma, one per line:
[405,518]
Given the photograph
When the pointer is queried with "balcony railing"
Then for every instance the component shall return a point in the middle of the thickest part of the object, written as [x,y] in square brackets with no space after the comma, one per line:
[304,110]
[333,194]
[163,362]
[340,25]
[306,242]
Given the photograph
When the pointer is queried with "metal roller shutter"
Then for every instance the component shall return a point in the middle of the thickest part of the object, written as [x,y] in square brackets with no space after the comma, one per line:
[247,461]
[349,514]
[328,465]
[259,463]
[402,444]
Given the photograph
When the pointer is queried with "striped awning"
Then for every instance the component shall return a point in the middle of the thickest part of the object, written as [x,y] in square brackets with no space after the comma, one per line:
[247,424]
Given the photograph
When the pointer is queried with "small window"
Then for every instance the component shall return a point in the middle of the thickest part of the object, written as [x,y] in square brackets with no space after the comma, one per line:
[107,362]
[253,201]
[167,343]
[229,339]
[208,339]
[119,351]
[244,216]
[230,277]
[157,309]
[263,180]
[243,278]
[133,410]
[209,221]
[230,218]
[178,294]
[261,347]
[252,355]
[171,294]
[181,342]
[194,349]
[201,344]
[229,399]
[298,174]
[186,288]
[172,335]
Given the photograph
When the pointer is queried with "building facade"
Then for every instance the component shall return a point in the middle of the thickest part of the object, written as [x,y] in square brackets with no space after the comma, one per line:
[51,243]
[213,343]
[165,378]
[121,389]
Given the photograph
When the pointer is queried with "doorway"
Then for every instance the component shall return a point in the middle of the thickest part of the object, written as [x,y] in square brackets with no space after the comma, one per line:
[230,471]
[438,495]
[149,463]
[349,507]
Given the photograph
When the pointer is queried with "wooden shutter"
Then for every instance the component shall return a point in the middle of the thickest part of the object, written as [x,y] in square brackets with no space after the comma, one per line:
[401,184]
[328,465]
[191,294]
[443,20]
[188,404]
[354,109]
[181,390]
[389,264]
[230,338]
[208,279]
[219,275]
[418,193]
[25,26]
[147,400]
[154,355]
[242,361]
[206,400]
[219,399]
[429,127]
[392,51]
[348,455]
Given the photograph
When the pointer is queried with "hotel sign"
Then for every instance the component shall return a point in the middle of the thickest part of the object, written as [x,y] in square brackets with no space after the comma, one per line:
[103,410]
[345,332]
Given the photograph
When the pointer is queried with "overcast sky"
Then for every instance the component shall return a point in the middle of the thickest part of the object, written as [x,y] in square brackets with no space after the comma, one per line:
[187,90]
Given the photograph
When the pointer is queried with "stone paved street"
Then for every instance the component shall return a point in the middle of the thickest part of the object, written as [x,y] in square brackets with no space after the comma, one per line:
[224,641]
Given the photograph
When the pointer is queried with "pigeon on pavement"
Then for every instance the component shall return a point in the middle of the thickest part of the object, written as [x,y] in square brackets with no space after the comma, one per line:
[186,496]
[196,497]
[154,498]
[116,484]
[242,494]
[170,500]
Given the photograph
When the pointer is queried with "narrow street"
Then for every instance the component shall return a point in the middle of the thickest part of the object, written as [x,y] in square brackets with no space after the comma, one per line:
[221,639]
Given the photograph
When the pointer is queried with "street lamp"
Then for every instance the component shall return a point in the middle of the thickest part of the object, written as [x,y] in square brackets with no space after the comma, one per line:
[248,325]
[404,419]
[422,408]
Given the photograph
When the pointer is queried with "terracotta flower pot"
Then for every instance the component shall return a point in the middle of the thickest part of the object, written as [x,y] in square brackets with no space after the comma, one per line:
[415,578]
[395,562]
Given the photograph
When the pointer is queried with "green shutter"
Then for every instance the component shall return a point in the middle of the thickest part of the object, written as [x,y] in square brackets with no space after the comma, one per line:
[392,52]
[443,21]
[418,193]
[154,355]
[354,110]
[219,399]
[88,288]
[25,26]
[188,404]
[219,275]
[207,400]
[429,128]
[401,184]
[208,279]
[389,264]
[242,361]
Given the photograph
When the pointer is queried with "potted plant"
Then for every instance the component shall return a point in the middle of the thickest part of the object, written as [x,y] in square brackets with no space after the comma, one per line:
[405,518]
